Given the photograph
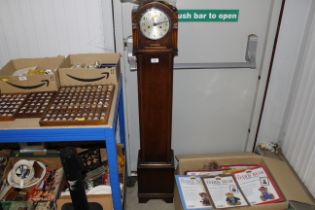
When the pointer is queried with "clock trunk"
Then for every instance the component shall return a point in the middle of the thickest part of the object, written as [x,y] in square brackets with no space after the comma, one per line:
[155,105]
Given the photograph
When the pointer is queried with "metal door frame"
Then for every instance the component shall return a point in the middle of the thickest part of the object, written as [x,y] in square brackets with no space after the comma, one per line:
[264,77]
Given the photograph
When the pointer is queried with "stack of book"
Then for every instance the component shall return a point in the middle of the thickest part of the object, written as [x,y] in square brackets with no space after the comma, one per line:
[228,186]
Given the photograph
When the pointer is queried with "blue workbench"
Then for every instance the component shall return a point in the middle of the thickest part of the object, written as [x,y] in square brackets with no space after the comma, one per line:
[28,130]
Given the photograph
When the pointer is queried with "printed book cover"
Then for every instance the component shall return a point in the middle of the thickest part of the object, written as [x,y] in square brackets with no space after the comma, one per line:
[192,193]
[224,192]
[258,186]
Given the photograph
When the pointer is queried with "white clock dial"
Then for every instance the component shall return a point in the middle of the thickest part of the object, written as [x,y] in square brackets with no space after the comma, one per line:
[154,24]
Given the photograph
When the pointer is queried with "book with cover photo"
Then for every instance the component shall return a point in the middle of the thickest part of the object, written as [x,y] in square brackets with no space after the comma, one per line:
[224,192]
[192,193]
[258,186]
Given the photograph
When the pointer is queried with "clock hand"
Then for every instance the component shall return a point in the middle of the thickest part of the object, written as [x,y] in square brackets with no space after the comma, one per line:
[159,23]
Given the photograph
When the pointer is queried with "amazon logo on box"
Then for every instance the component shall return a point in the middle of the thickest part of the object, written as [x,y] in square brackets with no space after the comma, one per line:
[89,69]
[30,75]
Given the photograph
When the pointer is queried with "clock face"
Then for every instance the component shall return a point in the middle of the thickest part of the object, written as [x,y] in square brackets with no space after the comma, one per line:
[154,24]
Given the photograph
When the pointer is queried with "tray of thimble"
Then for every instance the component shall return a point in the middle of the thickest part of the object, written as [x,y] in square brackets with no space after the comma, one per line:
[35,105]
[80,105]
[9,105]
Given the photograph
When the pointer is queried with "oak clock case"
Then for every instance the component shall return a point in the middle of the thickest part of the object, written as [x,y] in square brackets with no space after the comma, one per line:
[154,26]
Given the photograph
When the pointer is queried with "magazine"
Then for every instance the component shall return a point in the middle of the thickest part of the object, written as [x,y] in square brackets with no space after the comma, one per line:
[237,167]
[258,186]
[221,170]
[224,192]
[192,193]
[204,173]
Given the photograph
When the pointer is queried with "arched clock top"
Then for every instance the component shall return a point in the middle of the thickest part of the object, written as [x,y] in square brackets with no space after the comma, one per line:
[154,26]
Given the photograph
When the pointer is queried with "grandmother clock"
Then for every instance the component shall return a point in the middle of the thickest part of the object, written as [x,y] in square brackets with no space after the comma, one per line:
[154,25]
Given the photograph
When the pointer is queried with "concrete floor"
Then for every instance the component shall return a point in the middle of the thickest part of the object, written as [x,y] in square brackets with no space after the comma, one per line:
[132,202]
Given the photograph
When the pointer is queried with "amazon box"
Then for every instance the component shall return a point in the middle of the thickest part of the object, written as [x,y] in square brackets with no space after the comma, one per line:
[30,75]
[90,69]
[288,183]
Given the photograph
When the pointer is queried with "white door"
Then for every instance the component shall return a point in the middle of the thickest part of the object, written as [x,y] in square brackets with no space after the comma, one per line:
[217,97]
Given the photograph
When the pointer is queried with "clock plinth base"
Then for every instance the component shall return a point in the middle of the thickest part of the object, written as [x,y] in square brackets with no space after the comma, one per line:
[156,180]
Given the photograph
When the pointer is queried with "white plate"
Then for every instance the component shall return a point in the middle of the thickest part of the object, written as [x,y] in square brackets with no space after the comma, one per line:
[29,181]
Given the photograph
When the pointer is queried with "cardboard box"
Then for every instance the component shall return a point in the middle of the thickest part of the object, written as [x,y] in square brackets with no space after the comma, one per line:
[35,83]
[51,161]
[89,76]
[105,200]
[281,172]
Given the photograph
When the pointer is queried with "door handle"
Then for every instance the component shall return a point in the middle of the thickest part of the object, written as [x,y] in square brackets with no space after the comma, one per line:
[132,60]
[250,58]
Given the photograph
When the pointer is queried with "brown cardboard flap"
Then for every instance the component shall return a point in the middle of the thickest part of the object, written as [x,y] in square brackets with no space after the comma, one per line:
[6,70]
[109,58]
[47,62]
[288,182]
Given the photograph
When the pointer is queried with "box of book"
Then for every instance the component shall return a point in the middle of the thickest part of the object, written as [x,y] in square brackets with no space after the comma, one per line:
[238,181]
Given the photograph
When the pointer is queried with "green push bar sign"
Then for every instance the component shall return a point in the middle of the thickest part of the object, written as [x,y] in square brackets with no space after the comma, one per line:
[208,15]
